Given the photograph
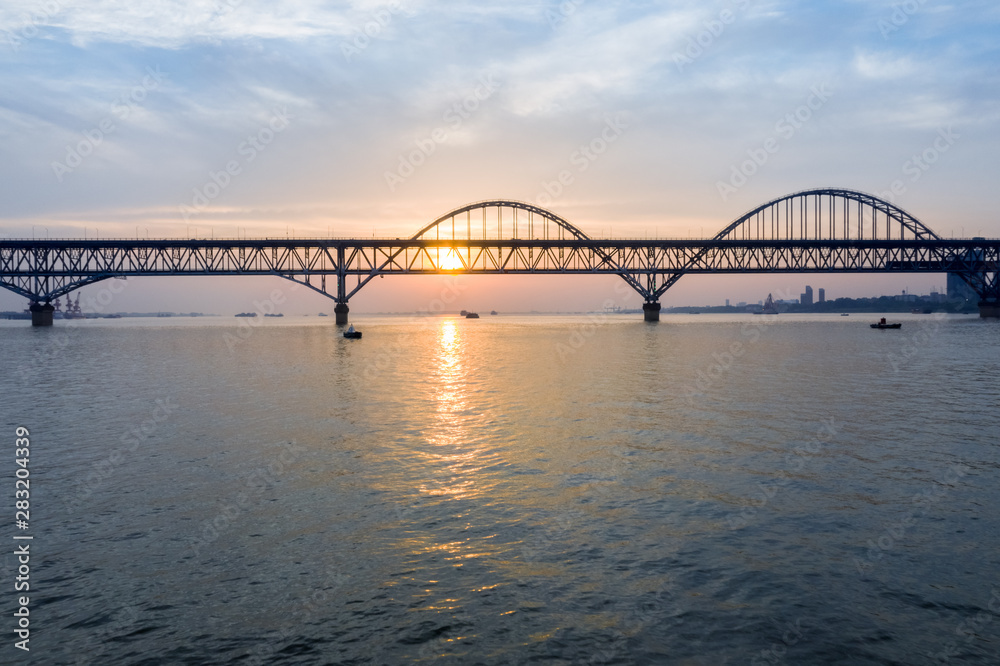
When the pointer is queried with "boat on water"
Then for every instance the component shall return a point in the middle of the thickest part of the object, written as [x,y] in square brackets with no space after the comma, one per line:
[769,307]
[351,333]
[463,313]
[844,314]
[493,312]
[472,315]
[883,325]
[323,314]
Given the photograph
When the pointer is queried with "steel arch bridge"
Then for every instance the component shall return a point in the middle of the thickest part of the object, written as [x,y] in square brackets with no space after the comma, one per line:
[819,230]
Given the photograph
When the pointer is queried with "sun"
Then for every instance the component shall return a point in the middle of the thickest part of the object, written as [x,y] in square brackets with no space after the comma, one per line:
[451,261]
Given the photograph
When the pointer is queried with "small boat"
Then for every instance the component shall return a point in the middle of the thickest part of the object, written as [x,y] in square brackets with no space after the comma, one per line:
[463,313]
[882,325]
[844,314]
[351,333]
[493,312]
[323,314]
[472,315]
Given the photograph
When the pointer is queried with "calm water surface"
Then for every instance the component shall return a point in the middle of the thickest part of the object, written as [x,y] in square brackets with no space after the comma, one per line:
[509,490]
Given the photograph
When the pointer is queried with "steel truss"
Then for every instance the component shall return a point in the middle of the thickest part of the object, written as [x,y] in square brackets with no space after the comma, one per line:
[829,231]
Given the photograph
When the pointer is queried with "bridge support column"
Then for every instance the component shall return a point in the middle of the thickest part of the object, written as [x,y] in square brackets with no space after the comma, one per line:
[651,311]
[41,314]
[341,310]
[989,309]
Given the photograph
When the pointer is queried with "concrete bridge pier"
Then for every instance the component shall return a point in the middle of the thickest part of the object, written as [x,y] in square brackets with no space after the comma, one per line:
[41,314]
[341,310]
[989,309]
[651,311]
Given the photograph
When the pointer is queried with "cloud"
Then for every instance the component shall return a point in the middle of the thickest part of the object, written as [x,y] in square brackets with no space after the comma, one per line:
[872,65]
[175,23]
[592,58]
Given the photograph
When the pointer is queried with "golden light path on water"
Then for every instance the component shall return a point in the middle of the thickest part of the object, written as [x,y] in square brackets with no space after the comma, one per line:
[514,489]
[450,442]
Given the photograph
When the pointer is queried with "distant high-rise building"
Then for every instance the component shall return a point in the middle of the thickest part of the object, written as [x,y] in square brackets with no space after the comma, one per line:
[806,298]
[727,302]
[959,289]
[822,295]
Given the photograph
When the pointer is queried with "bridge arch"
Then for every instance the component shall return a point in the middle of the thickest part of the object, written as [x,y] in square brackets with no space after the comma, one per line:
[40,290]
[827,214]
[519,217]
[822,214]
[496,219]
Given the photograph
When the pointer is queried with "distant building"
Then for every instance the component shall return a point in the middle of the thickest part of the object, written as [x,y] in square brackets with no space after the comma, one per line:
[807,298]
[959,289]
[727,302]
[822,295]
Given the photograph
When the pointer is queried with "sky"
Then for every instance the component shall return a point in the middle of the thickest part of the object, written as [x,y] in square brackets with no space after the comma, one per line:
[229,118]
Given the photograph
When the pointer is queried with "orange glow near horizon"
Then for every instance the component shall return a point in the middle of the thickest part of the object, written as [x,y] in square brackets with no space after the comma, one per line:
[451,261]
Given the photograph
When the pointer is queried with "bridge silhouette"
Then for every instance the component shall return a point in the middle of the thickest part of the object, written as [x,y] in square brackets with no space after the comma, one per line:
[812,231]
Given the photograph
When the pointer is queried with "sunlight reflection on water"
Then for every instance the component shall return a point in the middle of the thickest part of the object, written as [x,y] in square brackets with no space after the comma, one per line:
[474,495]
